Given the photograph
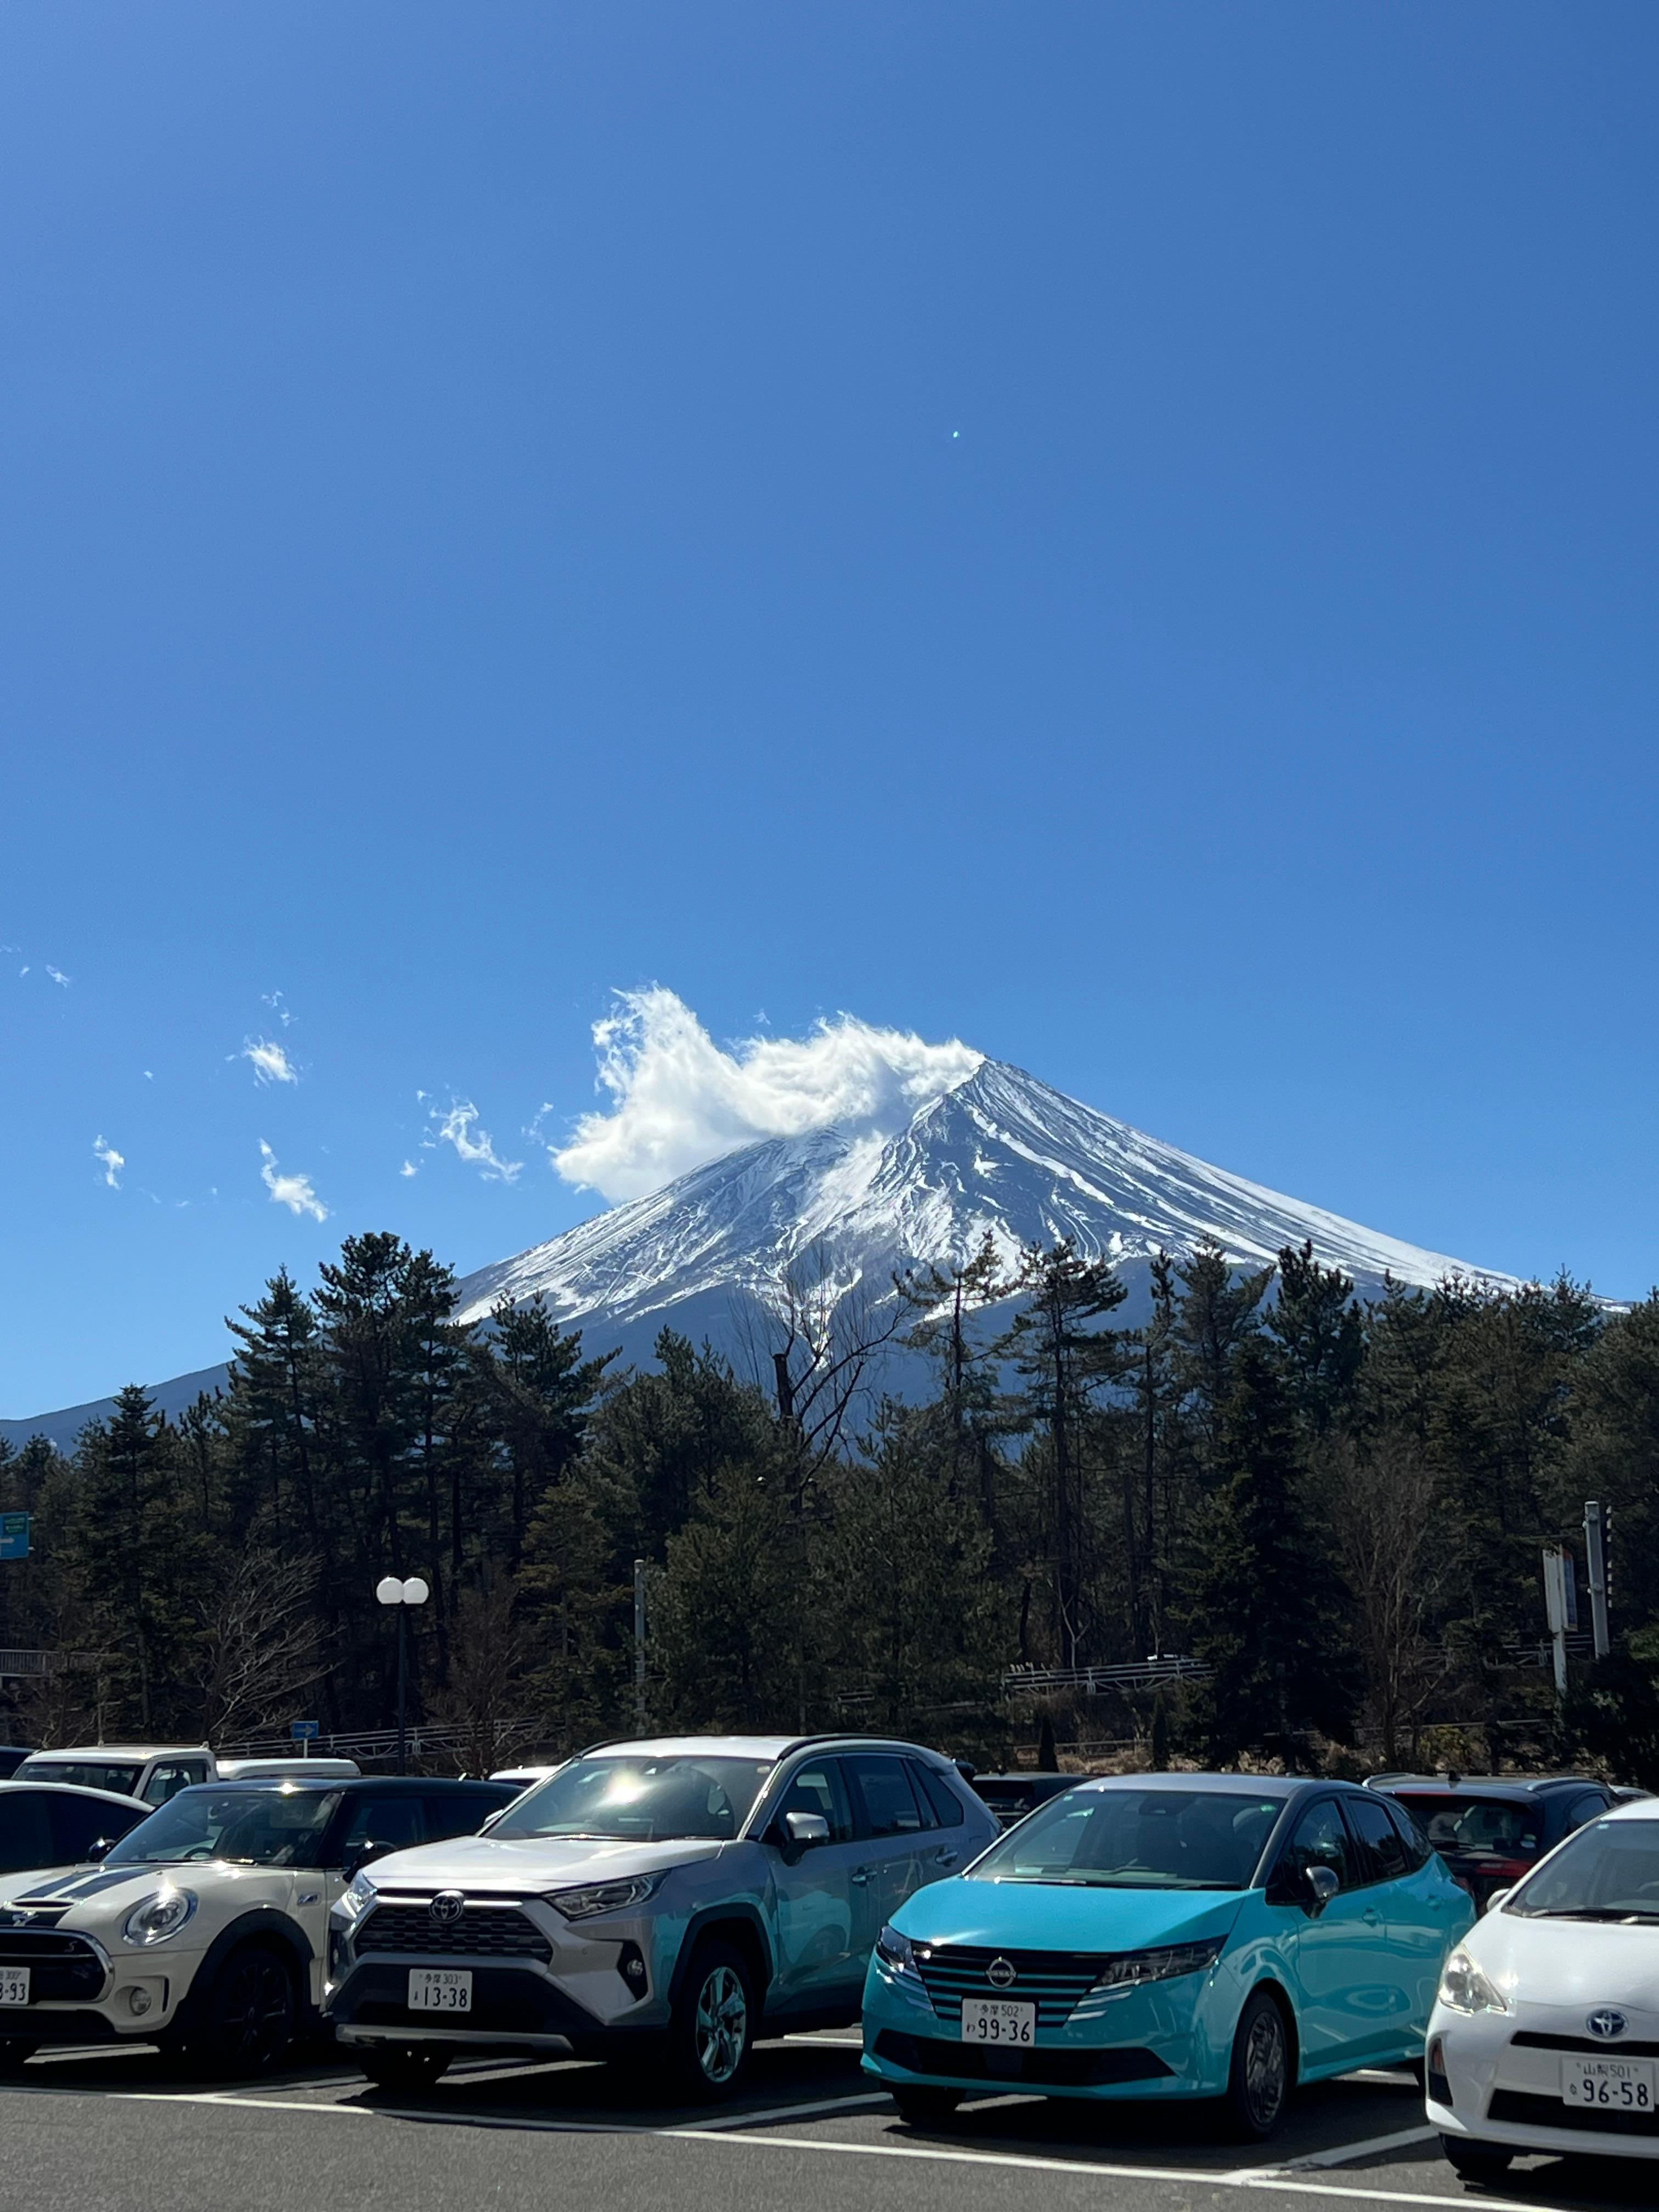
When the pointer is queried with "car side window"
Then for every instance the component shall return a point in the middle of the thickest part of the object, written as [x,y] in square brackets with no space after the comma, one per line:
[26,1839]
[166,1782]
[889,1803]
[1381,1854]
[1419,1850]
[1319,1838]
[934,1791]
[820,1789]
[77,1826]
[1583,1809]
[382,1824]
[458,1812]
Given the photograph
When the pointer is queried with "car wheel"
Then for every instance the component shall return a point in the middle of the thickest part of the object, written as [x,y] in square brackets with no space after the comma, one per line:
[15,2056]
[248,2019]
[1258,2080]
[1476,2162]
[408,2067]
[714,2029]
[925,2108]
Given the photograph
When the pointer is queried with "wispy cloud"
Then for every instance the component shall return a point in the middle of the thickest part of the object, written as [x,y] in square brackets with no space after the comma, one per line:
[292,1191]
[409,1168]
[278,1006]
[109,1160]
[58,976]
[677,1098]
[269,1061]
[458,1126]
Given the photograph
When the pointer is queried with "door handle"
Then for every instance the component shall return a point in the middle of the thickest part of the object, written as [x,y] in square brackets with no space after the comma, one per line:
[945,1858]
[861,1875]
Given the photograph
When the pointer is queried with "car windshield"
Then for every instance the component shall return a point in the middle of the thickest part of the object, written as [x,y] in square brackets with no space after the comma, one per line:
[1138,1839]
[1497,1825]
[119,1775]
[247,1827]
[636,1800]
[1608,1871]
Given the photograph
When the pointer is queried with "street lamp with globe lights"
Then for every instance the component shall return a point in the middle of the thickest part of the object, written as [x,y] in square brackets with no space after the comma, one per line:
[391,1591]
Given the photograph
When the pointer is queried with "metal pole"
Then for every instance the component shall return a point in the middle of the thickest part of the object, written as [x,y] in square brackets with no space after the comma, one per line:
[402,1672]
[1595,1567]
[639,1645]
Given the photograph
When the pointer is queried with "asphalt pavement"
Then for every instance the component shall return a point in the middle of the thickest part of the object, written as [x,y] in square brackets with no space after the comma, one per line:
[121,2132]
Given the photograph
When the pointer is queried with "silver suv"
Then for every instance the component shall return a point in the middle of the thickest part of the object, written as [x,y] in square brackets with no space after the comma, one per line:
[689,1891]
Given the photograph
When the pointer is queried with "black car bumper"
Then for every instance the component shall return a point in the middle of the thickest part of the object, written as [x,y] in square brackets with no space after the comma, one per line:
[512,2007]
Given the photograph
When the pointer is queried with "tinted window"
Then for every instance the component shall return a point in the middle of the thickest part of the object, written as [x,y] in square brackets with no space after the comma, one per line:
[1499,1824]
[936,1792]
[1319,1840]
[78,1823]
[25,1837]
[1583,1809]
[1137,1840]
[1380,1840]
[249,1827]
[889,1803]
[821,1789]
[377,1824]
[459,1812]
[1419,1850]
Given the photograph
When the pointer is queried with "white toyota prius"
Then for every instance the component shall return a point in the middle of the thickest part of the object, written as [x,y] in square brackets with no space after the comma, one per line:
[1544,2036]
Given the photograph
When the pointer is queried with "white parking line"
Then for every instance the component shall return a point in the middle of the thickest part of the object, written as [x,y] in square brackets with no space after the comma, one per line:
[1348,2154]
[721,2122]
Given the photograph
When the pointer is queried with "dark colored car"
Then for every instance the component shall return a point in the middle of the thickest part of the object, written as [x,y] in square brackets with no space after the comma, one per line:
[1492,1829]
[1011,1796]
[53,1824]
[12,1756]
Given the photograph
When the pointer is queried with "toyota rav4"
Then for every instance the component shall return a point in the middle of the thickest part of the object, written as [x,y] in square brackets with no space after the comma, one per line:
[687,1892]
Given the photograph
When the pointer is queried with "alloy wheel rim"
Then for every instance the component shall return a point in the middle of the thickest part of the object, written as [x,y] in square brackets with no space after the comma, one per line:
[1264,2068]
[255,2016]
[722,2025]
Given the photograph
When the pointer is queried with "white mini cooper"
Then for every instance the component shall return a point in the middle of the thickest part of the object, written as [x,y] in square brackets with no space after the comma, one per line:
[204,1928]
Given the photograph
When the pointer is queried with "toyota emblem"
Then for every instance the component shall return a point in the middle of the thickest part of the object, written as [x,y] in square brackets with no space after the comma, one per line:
[446,1908]
[1607,2024]
[1000,1974]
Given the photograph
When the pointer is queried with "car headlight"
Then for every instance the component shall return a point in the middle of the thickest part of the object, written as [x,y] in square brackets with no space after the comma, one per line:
[355,1899]
[896,1951]
[604,1896]
[159,1918]
[1131,1968]
[1464,1988]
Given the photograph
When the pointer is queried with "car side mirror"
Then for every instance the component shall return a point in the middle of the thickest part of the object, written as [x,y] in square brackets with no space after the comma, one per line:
[357,1860]
[804,1829]
[1322,1886]
[1497,1897]
[97,1847]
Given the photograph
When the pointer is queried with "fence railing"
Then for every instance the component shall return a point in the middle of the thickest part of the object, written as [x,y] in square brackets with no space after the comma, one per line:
[1097,1681]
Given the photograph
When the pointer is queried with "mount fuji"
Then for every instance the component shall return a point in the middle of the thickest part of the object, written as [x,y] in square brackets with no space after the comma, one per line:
[710,1253]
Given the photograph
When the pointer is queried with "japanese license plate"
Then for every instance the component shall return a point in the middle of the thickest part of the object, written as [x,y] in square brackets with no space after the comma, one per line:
[439,1990]
[14,1985]
[1609,2085]
[998,2020]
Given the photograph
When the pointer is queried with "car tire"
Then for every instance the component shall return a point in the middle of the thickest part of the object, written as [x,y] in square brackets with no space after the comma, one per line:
[1476,2162]
[1258,2080]
[714,2022]
[15,2056]
[247,2016]
[408,2069]
[925,2108]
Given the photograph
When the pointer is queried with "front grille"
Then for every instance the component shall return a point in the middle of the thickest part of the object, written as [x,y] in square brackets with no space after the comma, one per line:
[481,1932]
[60,1967]
[1059,2069]
[1054,1980]
[1528,2039]
[1523,2110]
[31,1916]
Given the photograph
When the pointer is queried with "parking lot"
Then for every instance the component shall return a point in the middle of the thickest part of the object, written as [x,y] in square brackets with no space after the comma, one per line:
[104,2132]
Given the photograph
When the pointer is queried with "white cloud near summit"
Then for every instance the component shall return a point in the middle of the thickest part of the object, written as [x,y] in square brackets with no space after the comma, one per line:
[109,1160]
[292,1191]
[459,1127]
[678,1098]
[271,1063]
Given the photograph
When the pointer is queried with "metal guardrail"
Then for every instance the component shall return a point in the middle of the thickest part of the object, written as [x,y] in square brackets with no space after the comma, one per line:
[1093,1681]
[18,1666]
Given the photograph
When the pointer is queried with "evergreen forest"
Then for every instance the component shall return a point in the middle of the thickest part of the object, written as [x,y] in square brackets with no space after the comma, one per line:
[1333,1507]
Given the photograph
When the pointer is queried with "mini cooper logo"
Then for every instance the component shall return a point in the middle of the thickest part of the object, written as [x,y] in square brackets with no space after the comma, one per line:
[446,1908]
[1607,2024]
[1000,1974]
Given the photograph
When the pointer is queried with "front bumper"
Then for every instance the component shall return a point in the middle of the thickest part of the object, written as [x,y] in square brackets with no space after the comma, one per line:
[1170,2039]
[1496,2078]
[83,1991]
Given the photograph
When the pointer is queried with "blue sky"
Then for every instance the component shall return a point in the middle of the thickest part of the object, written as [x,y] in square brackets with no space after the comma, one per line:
[1124,535]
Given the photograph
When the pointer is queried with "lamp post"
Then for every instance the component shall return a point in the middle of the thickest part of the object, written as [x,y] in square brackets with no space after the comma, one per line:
[402,1595]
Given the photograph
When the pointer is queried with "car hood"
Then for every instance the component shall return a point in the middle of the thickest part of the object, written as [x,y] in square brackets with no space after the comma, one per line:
[1056,1917]
[1567,1962]
[102,1893]
[530,1863]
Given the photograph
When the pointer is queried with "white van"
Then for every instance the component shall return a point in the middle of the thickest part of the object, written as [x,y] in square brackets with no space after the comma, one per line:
[309,1770]
[154,1772]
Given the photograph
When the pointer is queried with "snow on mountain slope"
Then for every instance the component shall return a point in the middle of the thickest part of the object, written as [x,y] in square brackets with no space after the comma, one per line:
[1000,1151]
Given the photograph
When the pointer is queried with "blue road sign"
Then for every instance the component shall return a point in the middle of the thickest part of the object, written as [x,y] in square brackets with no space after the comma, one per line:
[305,1731]
[15,1535]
